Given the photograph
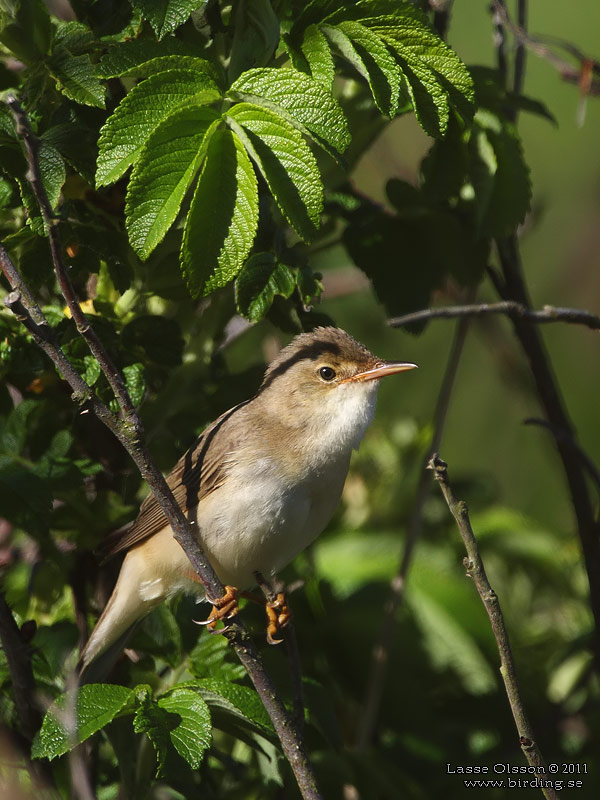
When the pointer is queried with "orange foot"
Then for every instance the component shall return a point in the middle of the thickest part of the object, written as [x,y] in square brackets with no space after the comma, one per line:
[224,608]
[278,616]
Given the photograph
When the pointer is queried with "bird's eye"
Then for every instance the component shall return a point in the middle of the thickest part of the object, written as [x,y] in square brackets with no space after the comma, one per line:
[327,373]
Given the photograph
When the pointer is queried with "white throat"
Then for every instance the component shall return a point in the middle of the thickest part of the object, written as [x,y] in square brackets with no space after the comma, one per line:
[343,418]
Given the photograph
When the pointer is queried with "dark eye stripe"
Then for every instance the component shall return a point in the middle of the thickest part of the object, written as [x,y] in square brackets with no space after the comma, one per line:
[327,373]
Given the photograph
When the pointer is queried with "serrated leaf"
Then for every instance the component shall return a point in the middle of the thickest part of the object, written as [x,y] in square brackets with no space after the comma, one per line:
[135,381]
[52,168]
[450,644]
[166,63]
[499,175]
[223,217]
[156,723]
[371,58]
[92,370]
[257,284]
[318,56]
[238,700]
[77,79]
[255,36]
[192,737]
[432,69]
[140,113]
[96,705]
[125,58]
[302,100]
[165,15]
[166,167]
[286,162]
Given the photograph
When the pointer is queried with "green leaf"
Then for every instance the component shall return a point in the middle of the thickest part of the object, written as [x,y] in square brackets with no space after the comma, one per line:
[92,370]
[257,284]
[499,175]
[166,63]
[286,162]
[165,16]
[125,58]
[140,113]
[96,705]
[76,78]
[25,29]
[135,381]
[223,217]
[52,168]
[239,701]
[157,724]
[255,36]
[25,498]
[317,53]
[302,100]
[436,76]
[192,736]
[166,167]
[371,58]
[449,643]
[13,430]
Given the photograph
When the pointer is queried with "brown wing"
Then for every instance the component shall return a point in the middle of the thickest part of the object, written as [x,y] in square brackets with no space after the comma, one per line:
[198,473]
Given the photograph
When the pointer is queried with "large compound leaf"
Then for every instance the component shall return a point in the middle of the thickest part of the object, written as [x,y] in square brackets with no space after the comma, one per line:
[140,113]
[223,217]
[302,100]
[286,163]
[64,727]
[165,15]
[166,167]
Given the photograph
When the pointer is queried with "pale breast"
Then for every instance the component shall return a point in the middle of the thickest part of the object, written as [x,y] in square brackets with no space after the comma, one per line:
[261,519]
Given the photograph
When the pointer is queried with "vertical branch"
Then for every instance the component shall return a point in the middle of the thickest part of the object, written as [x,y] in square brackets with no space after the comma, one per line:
[521,53]
[476,570]
[500,40]
[381,650]
[514,288]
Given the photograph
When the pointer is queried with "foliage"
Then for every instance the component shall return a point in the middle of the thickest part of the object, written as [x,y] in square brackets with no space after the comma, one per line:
[197,155]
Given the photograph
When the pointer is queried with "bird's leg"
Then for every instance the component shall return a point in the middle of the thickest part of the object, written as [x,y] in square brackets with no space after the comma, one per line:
[278,611]
[223,608]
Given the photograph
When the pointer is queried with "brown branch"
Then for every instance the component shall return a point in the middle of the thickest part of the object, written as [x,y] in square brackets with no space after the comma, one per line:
[511,308]
[129,432]
[51,222]
[476,570]
[382,647]
[538,46]
[514,289]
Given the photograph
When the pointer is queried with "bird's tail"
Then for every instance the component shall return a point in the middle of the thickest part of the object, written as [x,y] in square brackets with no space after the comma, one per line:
[126,607]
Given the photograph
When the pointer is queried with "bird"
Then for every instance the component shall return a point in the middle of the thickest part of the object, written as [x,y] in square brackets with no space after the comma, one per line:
[261,483]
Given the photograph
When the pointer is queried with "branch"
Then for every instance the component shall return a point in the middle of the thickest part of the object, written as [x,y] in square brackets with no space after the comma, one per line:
[514,289]
[381,650]
[582,74]
[129,431]
[511,308]
[475,570]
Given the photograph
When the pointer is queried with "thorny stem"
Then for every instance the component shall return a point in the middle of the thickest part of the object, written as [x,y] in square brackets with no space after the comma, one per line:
[476,570]
[381,650]
[21,302]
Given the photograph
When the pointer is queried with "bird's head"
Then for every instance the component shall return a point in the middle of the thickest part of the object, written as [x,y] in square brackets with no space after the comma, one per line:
[326,382]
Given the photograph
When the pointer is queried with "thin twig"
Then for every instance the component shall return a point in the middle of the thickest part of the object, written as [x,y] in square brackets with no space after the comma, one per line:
[381,650]
[476,570]
[441,16]
[521,53]
[500,39]
[538,46]
[18,658]
[184,531]
[51,221]
[511,308]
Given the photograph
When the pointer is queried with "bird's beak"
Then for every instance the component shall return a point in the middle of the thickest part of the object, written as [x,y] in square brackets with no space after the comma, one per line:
[380,370]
